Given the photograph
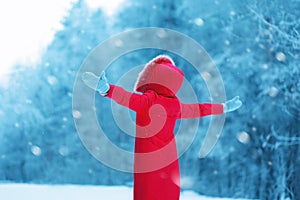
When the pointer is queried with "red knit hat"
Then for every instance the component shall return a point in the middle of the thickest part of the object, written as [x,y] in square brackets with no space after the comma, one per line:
[160,75]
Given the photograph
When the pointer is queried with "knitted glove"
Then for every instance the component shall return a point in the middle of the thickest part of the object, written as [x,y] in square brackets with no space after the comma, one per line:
[96,83]
[232,104]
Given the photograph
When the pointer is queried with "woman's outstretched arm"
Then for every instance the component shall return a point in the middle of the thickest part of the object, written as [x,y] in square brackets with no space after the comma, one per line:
[200,110]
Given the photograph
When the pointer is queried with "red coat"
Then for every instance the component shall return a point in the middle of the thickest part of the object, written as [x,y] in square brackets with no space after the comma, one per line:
[156,168]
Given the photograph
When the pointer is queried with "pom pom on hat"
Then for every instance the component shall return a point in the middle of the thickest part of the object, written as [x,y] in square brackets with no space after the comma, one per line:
[162,59]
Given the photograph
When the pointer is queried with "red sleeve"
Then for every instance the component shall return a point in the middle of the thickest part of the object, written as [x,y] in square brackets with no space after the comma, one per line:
[200,110]
[128,99]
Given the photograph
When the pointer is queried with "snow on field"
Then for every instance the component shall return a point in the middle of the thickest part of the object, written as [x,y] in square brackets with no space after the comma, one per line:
[75,192]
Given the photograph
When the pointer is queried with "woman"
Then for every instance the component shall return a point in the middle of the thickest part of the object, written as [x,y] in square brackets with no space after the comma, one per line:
[156,167]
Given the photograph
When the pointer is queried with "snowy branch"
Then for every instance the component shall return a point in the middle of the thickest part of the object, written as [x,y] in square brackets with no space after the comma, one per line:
[290,38]
[274,140]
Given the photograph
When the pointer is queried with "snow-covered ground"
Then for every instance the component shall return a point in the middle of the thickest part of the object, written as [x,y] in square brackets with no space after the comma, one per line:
[75,192]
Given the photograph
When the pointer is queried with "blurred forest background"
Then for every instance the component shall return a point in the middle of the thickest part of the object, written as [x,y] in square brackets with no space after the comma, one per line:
[254,44]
